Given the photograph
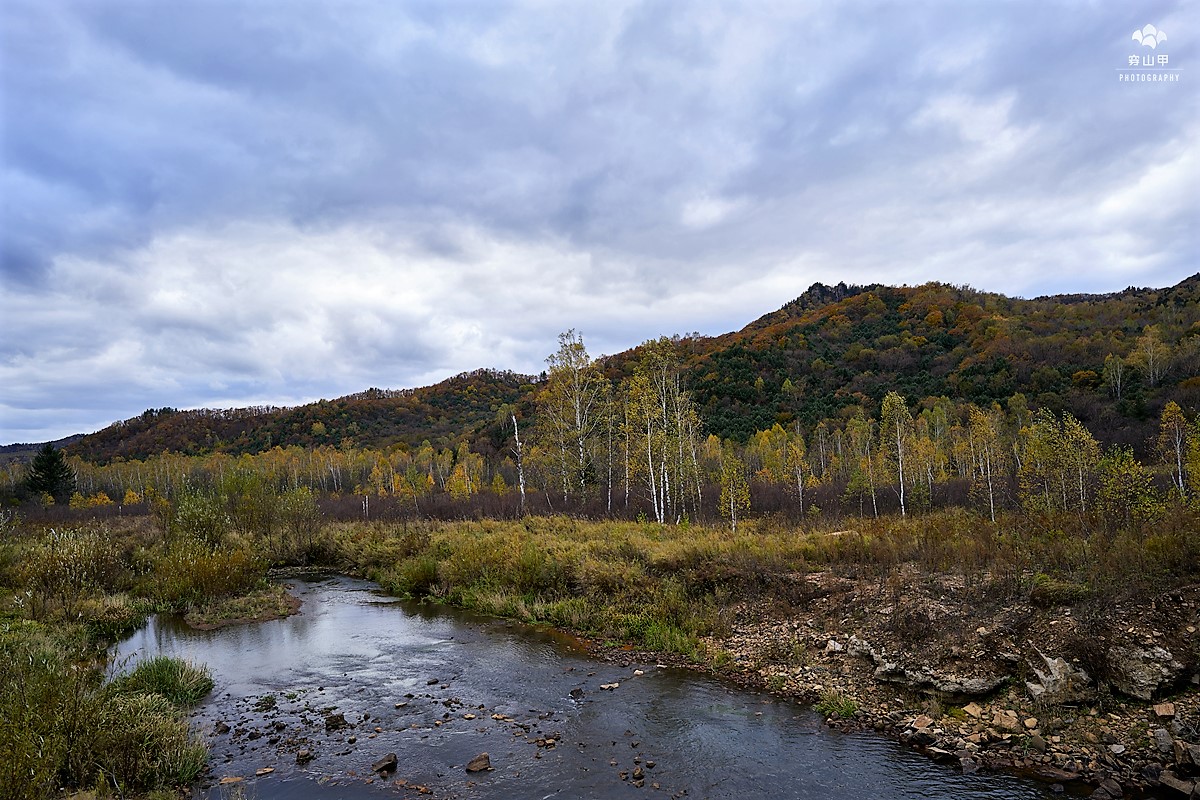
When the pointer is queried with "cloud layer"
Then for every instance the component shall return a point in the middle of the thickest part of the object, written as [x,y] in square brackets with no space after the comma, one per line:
[232,202]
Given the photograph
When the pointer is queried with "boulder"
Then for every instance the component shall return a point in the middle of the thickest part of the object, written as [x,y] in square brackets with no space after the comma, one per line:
[1141,671]
[335,722]
[1059,682]
[1186,754]
[480,763]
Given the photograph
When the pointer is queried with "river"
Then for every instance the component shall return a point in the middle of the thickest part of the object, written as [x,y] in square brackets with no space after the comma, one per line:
[406,678]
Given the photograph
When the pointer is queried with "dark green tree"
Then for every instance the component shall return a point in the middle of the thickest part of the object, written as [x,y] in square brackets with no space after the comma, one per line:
[49,473]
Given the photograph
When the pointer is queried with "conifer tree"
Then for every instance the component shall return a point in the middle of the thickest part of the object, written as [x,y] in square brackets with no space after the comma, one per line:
[49,473]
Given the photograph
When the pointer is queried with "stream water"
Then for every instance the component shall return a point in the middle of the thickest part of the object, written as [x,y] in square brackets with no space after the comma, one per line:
[405,677]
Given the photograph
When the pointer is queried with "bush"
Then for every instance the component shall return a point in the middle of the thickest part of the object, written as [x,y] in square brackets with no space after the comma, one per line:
[416,577]
[192,571]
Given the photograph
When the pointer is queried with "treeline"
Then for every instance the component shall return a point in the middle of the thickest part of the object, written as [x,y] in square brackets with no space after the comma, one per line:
[636,447]
[1111,361]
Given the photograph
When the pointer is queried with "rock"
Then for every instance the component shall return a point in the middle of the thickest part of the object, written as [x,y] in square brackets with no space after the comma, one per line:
[1116,749]
[1163,741]
[969,765]
[1036,742]
[637,673]
[1172,781]
[948,685]
[1031,723]
[1186,754]
[1059,683]
[479,763]
[922,721]
[220,728]
[1140,672]
[335,722]
[1006,721]
[264,771]
[576,693]
[1109,789]
[433,681]
[385,765]
[861,649]
[973,709]
[230,779]
[609,686]
[834,646]
[1165,711]
[304,755]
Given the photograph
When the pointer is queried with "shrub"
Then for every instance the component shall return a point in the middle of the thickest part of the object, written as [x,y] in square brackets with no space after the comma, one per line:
[415,577]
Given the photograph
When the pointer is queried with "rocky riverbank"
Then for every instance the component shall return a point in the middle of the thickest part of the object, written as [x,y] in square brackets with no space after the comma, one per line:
[1107,697]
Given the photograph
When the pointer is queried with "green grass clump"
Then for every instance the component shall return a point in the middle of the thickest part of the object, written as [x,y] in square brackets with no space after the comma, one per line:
[835,704]
[143,741]
[178,682]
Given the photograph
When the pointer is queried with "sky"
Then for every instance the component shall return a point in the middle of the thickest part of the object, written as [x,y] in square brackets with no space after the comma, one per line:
[249,202]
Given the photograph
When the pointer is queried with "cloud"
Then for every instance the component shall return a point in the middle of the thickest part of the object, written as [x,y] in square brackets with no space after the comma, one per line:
[203,204]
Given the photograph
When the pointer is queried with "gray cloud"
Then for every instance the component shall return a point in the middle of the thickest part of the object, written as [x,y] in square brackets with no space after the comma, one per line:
[217,203]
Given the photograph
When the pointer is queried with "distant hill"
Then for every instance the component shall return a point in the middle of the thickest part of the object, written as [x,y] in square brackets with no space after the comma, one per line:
[376,418]
[819,356]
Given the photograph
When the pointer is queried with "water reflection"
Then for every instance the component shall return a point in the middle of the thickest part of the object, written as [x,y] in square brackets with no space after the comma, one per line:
[354,653]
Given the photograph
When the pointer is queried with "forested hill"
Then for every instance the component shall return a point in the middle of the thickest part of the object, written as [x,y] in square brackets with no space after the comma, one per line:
[838,347]
[1111,360]
[375,418]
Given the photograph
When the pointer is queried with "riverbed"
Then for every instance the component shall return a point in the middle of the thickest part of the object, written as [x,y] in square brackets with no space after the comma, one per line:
[304,706]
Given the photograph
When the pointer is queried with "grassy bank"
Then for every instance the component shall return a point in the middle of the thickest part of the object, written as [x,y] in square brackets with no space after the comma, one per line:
[68,591]
[64,727]
[667,588]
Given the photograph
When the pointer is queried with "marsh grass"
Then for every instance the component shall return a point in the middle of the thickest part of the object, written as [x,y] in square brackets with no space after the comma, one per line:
[63,727]
[143,741]
[179,682]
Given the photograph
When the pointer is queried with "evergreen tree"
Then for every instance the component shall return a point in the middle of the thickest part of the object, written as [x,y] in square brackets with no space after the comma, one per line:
[50,474]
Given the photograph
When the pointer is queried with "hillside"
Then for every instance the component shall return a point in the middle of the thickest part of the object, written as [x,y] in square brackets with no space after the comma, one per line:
[837,347]
[817,357]
[376,418]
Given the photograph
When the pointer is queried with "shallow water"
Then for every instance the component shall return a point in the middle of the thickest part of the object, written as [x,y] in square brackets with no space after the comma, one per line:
[404,675]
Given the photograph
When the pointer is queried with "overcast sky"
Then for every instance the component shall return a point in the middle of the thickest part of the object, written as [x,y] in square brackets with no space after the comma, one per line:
[231,203]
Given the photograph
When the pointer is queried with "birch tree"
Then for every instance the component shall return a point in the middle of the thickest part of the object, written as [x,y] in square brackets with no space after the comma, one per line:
[568,408]
[895,432]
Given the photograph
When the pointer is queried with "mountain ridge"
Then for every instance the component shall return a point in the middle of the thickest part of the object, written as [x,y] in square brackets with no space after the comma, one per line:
[819,355]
